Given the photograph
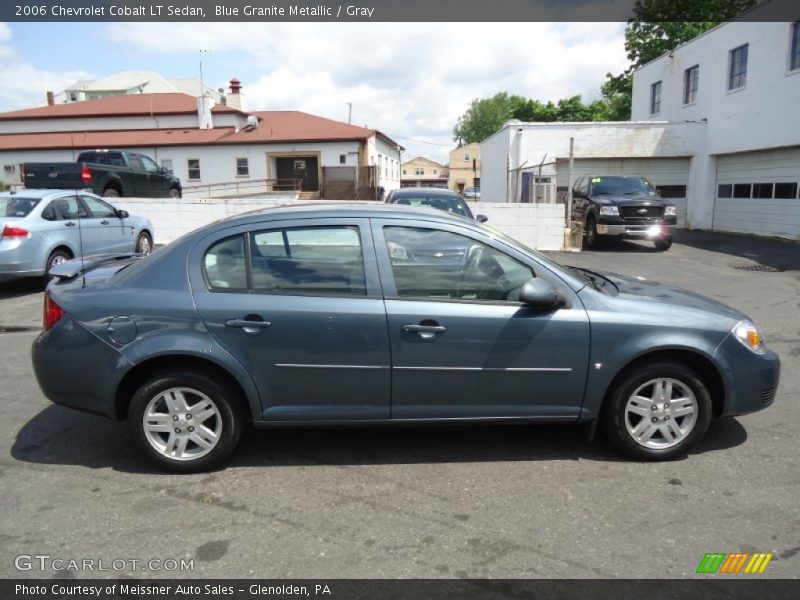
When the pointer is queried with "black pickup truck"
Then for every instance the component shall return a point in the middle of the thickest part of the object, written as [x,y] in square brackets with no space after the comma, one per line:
[622,207]
[110,173]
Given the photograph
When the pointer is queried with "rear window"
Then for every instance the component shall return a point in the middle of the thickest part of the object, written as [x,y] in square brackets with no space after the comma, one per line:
[447,204]
[16,206]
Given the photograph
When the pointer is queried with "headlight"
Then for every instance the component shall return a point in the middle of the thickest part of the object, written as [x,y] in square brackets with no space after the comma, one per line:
[609,211]
[748,335]
[669,211]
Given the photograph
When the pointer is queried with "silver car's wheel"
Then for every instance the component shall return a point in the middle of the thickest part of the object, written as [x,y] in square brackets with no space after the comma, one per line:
[58,259]
[661,413]
[143,244]
[182,423]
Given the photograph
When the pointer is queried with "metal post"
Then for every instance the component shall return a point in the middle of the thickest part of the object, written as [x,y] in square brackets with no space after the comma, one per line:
[569,175]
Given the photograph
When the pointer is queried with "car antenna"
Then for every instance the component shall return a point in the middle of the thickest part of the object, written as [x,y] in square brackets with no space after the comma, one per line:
[80,241]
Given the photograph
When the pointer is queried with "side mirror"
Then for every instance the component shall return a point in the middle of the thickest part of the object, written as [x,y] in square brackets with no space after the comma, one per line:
[481,218]
[123,214]
[537,293]
[163,170]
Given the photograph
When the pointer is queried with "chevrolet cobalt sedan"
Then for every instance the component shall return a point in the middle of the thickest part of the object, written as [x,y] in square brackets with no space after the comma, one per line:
[348,314]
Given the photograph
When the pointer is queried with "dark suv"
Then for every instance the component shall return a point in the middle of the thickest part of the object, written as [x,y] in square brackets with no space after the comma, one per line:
[625,207]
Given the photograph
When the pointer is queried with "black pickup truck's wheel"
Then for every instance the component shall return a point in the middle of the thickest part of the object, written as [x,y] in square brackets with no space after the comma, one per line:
[110,193]
[663,244]
[590,236]
[174,193]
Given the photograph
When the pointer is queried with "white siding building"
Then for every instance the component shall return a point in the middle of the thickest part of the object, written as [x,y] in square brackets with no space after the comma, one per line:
[715,125]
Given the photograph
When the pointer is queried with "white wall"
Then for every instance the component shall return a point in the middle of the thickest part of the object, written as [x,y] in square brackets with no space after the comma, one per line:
[763,114]
[539,226]
[78,124]
[387,159]
[494,163]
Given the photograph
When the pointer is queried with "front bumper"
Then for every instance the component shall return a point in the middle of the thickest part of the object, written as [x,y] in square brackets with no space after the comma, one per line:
[751,380]
[77,369]
[637,230]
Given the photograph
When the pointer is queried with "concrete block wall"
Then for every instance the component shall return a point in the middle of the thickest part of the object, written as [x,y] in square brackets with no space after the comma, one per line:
[539,226]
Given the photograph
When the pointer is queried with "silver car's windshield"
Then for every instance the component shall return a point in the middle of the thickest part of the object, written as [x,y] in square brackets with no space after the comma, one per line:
[17,206]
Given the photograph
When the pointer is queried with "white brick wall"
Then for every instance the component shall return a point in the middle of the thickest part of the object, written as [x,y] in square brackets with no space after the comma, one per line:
[539,226]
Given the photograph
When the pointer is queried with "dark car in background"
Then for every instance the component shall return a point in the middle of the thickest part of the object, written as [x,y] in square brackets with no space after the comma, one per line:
[430,197]
[108,173]
[622,207]
[347,315]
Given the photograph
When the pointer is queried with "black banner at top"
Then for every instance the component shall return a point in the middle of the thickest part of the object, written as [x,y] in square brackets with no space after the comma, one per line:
[365,10]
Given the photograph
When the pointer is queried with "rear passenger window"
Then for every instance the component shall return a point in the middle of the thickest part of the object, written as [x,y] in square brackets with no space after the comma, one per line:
[224,264]
[309,260]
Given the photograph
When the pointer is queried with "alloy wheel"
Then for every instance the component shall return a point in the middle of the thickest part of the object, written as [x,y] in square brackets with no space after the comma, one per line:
[661,413]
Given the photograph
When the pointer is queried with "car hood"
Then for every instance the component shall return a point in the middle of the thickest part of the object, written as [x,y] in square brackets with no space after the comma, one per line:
[642,289]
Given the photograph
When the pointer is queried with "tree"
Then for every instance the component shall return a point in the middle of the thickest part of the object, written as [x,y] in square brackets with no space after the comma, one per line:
[657,27]
[485,116]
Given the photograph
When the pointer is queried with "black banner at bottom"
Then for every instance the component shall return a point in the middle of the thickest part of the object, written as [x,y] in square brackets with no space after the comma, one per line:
[399,589]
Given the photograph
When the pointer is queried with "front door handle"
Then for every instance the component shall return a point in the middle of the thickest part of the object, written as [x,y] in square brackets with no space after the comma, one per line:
[250,324]
[425,331]
[69,224]
[104,222]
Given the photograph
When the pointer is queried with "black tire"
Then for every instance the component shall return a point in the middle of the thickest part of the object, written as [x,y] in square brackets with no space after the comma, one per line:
[111,193]
[590,237]
[663,244]
[144,243]
[613,417]
[228,408]
[174,193]
[56,256]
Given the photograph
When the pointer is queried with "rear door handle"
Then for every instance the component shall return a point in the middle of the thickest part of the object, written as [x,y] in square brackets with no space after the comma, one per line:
[249,325]
[426,332]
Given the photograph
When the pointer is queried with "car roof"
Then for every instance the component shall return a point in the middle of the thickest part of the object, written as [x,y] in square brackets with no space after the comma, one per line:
[430,191]
[39,193]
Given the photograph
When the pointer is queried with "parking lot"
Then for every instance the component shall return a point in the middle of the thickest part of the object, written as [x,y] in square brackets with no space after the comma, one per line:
[477,502]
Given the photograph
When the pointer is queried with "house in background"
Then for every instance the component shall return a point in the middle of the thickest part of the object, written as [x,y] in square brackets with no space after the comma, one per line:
[423,172]
[715,127]
[465,168]
[213,148]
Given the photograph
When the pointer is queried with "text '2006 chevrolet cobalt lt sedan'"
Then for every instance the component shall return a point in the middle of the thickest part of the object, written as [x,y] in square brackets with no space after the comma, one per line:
[345,314]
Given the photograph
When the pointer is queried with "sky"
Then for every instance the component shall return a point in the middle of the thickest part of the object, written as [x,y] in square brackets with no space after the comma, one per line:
[410,80]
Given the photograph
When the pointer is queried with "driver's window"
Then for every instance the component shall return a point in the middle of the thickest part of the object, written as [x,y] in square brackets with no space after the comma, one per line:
[430,263]
[149,165]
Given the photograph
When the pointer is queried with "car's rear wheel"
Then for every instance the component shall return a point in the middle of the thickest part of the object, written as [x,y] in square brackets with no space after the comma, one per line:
[184,421]
[111,193]
[590,237]
[144,243]
[56,258]
[174,193]
[658,411]
[663,244]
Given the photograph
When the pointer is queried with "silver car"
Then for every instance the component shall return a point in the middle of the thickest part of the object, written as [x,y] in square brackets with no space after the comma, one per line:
[42,228]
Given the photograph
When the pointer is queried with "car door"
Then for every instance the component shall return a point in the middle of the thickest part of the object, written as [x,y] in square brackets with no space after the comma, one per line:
[115,235]
[141,179]
[157,181]
[298,304]
[462,345]
[74,217]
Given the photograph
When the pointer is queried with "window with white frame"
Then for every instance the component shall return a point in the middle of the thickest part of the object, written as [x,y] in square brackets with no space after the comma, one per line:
[794,57]
[166,164]
[691,81]
[737,68]
[467,157]
[242,167]
[655,98]
[419,171]
[193,165]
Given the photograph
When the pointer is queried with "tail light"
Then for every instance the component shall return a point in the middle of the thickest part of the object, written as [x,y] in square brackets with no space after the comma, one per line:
[86,175]
[12,231]
[52,313]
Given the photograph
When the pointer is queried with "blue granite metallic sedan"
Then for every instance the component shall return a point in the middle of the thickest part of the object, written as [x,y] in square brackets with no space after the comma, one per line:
[381,314]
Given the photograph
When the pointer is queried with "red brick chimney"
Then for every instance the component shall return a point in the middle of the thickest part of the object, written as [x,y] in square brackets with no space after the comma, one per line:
[51,98]
[236,86]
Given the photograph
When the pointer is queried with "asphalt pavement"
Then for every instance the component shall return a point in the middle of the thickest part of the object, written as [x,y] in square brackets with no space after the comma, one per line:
[497,502]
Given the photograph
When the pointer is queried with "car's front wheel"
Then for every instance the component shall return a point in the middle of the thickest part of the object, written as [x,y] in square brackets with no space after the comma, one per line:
[184,421]
[663,244]
[658,411]
[144,243]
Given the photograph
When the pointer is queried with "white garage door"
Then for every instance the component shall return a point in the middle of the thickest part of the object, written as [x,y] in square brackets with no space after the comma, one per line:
[757,192]
[669,175]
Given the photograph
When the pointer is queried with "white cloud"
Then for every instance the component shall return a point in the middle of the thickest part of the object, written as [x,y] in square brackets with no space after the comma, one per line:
[23,84]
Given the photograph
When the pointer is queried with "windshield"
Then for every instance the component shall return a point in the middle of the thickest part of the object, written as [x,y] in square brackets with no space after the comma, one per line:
[440,202]
[16,206]
[622,186]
